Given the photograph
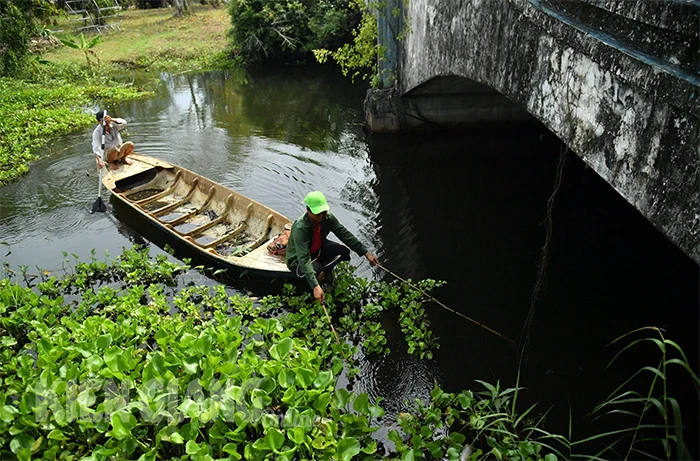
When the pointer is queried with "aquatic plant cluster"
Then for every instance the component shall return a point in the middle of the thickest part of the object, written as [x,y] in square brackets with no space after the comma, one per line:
[32,113]
[112,361]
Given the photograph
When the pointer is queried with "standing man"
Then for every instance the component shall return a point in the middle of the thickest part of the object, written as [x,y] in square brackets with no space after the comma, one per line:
[310,253]
[114,150]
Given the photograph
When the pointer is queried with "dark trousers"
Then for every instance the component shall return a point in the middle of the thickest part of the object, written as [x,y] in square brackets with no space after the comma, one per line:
[330,254]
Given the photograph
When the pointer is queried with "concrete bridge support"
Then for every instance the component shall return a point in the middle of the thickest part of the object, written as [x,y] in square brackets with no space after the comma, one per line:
[617,80]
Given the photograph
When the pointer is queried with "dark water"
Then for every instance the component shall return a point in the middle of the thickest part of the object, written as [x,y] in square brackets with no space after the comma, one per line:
[468,208]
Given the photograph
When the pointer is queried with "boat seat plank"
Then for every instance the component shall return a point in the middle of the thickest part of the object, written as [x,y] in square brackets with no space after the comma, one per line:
[159,195]
[186,216]
[198,230]
[162,210]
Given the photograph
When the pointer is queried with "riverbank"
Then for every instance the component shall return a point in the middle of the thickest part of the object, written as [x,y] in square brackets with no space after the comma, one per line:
[59,93]
[155,40]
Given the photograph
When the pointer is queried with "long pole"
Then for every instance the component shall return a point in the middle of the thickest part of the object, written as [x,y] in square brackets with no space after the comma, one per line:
[334,332]
[442,305]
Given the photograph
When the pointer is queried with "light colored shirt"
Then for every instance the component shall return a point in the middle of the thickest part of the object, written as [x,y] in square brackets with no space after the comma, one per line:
[112,138]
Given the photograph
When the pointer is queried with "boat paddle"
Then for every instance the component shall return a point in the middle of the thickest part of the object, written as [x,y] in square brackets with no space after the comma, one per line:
[99,205]
[442,305]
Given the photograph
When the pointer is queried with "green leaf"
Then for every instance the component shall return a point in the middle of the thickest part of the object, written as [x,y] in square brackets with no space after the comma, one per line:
[87,398]
[260,399]
[305,377]
[347,448]
[465,400]
[267,384]
[286,378]
[190,364]
[7,341]
[297,435]
[274,439]
[280,350]
[323,380]
[361,404]
[191,448]
[175,437]
[57,434]
[122,423]
[232,450]
[7,413]
[70,44]
[452,454]
[376,411]
[203,344]
[94,363]
[104,341]
[321,402]
[371,448]
[21,445]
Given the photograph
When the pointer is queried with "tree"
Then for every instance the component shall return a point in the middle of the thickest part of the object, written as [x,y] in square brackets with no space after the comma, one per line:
[20,21]
[80,43]
[270,30]
[181,8]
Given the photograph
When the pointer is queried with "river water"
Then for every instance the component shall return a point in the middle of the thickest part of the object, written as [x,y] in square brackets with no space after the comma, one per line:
[467,207]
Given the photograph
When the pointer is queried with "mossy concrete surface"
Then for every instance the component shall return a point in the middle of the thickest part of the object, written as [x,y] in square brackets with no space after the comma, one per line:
[619,85]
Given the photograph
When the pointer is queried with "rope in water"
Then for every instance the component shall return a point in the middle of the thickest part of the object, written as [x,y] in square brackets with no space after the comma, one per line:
[442,305]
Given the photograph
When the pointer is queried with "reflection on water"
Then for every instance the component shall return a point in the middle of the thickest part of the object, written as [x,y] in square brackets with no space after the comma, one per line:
[467,208]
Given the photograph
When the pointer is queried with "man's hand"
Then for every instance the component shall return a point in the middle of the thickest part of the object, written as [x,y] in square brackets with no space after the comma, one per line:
[373,261]
[100,163]
[319,294]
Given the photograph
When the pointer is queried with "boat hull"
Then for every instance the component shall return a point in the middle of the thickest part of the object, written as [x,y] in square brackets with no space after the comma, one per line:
[228,229]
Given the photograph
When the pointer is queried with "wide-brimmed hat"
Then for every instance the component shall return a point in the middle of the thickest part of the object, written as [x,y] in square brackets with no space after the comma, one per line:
[316,202]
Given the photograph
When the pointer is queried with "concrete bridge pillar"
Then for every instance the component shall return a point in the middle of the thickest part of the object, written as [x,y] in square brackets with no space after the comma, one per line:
[618,81]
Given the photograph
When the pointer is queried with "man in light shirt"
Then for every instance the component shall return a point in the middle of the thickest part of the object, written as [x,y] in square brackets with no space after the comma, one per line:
[107,142]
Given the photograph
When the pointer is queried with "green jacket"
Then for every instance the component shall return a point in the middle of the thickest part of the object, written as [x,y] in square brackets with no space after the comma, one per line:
[300,243]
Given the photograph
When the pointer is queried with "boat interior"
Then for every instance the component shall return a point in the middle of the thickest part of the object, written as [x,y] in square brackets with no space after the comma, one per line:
[209,216]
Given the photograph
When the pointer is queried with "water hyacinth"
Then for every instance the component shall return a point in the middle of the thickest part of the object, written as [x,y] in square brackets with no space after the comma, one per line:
[112,361]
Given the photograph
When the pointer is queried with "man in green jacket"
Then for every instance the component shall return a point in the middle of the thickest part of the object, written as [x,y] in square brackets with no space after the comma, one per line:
[310,253]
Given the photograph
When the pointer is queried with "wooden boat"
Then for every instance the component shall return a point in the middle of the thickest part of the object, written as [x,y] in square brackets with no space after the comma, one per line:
[229,229]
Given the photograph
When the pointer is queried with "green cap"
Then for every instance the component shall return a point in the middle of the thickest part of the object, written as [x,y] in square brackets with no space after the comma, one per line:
[316,202]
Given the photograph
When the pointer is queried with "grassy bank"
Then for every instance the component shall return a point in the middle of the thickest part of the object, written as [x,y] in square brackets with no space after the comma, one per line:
[58,93]
[155,40]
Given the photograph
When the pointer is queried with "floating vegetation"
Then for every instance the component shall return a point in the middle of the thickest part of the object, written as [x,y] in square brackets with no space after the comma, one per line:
[123,368]
[143,194]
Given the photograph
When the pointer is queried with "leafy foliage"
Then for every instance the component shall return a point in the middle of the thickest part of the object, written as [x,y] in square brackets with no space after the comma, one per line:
[33,112]
[269,30]
[20,21]
[80,43]
[359,56]
[101,364]
[655,416]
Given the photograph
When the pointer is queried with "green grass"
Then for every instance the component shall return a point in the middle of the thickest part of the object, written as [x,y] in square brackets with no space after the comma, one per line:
[150,36]
[48,100]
